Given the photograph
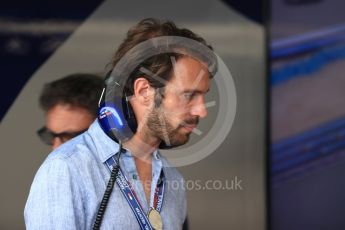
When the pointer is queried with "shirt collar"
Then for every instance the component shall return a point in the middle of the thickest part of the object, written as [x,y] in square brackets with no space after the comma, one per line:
[105,146]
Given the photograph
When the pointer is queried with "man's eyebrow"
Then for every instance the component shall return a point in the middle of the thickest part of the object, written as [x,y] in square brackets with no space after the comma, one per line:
[195,91]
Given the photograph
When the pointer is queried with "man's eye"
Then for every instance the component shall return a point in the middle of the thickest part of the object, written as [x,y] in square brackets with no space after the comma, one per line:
[188,96]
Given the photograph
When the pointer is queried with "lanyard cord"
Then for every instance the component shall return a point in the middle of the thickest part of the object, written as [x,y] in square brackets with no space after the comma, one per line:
[108,191]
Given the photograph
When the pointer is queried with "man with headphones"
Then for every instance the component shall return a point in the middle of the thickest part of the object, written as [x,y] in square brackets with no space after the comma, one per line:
[113,176]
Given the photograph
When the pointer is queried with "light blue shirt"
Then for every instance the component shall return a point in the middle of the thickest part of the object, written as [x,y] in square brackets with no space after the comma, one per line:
[70,184]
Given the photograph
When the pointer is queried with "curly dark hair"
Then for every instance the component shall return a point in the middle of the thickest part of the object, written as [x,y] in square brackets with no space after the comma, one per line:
[160,64]
[81,90]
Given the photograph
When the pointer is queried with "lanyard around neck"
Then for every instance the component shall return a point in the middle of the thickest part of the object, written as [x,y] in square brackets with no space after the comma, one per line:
[132,199]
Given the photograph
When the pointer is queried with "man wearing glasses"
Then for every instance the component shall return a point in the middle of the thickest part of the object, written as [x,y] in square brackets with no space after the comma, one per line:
[70,104]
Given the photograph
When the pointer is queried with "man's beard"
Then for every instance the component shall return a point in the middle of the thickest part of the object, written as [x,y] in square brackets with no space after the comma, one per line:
[160,127]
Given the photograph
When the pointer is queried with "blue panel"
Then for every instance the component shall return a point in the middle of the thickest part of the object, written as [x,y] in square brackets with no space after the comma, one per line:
[22,53]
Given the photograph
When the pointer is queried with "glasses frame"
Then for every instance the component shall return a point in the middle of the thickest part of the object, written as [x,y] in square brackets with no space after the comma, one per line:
[47,136]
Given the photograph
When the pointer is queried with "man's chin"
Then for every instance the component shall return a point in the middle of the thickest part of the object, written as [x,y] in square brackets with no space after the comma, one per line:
[178,141]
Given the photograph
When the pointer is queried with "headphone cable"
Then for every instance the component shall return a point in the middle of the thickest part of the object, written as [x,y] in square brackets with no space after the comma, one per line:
[108,191]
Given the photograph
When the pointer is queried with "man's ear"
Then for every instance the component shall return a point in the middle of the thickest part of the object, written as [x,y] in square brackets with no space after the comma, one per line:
[143,91]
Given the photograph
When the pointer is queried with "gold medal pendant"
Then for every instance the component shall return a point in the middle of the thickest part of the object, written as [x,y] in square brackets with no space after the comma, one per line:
[155,219]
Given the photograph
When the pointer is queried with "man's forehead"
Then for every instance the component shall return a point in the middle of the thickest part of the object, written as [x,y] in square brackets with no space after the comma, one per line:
[190,60]
[181,83]
[189,69]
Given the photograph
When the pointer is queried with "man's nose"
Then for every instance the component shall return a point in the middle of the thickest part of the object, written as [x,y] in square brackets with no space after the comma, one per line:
[199,109]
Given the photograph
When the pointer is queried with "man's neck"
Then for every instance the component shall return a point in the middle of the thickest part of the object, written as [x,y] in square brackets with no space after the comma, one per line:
[141,147]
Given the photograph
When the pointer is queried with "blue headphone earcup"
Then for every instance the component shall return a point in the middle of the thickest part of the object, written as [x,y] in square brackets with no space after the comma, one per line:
[112,118]
[115,114]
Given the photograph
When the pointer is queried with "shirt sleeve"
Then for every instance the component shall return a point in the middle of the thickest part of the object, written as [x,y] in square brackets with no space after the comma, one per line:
[54,201]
